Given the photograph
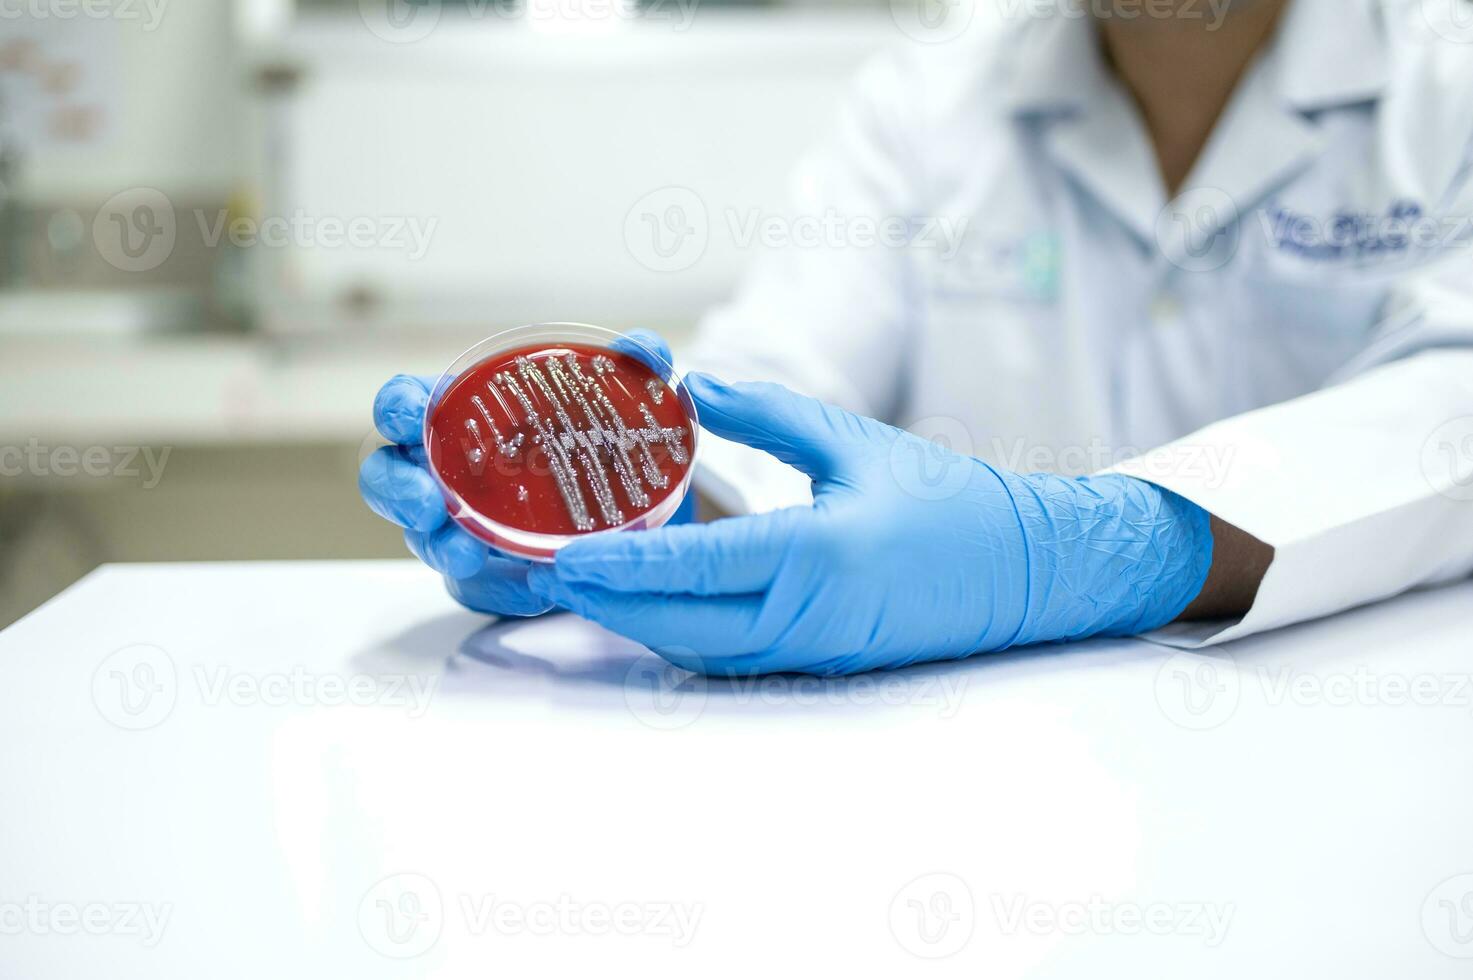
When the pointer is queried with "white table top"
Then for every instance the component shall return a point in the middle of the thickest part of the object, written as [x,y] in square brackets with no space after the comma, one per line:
[187,795]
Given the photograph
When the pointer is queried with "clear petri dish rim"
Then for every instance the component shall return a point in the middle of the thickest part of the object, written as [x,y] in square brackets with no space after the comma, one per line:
[534,545]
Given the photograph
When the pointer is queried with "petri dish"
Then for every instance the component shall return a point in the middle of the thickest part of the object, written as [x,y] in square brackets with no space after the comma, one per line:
[547,432]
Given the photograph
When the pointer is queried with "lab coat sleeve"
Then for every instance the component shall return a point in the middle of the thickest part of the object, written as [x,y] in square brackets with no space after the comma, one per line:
[1363,488]
[823,308]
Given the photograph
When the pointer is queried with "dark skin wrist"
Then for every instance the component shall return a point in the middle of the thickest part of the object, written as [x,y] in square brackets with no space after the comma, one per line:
[1239,561]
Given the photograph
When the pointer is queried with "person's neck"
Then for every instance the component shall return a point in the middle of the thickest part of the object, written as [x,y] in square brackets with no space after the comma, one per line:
[1182,72]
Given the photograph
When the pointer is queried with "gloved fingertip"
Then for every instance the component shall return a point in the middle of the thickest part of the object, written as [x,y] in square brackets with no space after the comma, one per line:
[543,581]
[652,340]
[399,409]
[717,398]
[369,493]
[399,492]
[649,348]
[461,555]
[442,553]
[426,515]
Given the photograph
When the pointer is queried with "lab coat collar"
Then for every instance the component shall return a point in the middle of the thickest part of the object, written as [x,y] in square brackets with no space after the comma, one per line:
[1259,144]
[1059,80]
[1107,150]
[1326,53]
[1331,53]
[1057,66]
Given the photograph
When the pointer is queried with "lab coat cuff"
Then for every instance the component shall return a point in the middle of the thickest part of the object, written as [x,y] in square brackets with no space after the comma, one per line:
[1338,482]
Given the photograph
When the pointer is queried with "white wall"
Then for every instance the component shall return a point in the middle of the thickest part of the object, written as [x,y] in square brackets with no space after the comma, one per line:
[173,93]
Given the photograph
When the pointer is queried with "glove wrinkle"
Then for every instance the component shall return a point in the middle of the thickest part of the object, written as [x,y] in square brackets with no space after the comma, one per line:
[908,554]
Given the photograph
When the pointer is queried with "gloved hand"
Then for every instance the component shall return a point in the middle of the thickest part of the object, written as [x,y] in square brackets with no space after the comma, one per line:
[909,553]
[397,486]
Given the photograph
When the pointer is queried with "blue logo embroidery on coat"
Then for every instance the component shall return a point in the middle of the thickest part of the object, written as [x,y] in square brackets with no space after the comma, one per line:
[1364,235]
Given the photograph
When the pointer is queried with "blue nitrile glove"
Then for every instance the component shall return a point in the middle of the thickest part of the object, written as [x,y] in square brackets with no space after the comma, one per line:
[397,486]
[908,553]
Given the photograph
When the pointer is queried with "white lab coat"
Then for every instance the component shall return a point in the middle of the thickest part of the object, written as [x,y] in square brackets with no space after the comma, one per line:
[1311,386]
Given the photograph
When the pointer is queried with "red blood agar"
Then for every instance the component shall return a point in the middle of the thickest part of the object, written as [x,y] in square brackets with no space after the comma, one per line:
[558,439]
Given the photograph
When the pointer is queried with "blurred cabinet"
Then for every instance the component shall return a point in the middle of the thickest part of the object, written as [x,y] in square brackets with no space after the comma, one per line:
[500,173]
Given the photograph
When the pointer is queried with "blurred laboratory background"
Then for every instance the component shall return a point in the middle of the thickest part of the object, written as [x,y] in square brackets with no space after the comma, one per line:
[224,223]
